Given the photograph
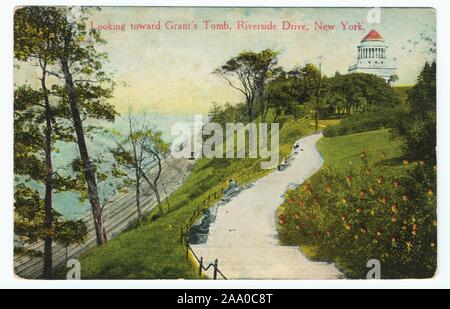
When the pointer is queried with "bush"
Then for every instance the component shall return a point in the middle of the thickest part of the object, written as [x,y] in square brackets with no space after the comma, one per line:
[367,121]
[365,214]
[418,127]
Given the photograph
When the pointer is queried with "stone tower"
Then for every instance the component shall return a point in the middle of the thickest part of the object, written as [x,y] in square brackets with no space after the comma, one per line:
[373,57]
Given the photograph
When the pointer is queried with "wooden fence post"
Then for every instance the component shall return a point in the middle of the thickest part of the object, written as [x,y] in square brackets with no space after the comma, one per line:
[200,266]
[216,263]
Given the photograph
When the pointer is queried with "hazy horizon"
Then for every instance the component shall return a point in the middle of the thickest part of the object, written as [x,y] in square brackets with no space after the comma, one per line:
[169,71]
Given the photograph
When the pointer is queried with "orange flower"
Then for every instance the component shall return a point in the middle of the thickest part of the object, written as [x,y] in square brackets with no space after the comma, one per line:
[396,183]
[394,219]
[372,189]
[405,197]
[362,194]
[328,189]
[394,208]
[380,179]
[298,227]
[297,216]
[359,210]
[379,233]
[405,162]
[362,155]
[363,230]
[433,245]
[301,203]
[384,199]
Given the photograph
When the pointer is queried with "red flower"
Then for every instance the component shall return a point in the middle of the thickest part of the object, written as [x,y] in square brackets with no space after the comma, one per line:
[394,208]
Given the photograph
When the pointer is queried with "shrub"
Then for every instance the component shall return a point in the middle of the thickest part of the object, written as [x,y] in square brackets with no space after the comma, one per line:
[367,213]
[418,127]
[367,121]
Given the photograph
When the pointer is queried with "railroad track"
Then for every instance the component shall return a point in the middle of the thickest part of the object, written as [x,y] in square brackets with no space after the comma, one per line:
[118,214]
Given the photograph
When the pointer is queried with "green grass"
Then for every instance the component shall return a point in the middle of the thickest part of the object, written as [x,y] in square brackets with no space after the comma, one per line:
[152,250]
[402,90]
[340,151]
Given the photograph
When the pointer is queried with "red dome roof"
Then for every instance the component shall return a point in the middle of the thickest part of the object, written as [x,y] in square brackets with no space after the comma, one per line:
[373,35]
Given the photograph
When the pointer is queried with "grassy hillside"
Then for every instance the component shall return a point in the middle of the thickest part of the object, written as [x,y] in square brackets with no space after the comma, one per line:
[153,250]
[340,151]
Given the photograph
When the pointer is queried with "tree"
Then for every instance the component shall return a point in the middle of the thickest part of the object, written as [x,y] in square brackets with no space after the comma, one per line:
[313,79]
[30,225]
[131,159]
[71,45]
[86,88]
[157,150]
[362,92]
[266,68]
[418,126]
[251,71]
[140,151]
[39,122]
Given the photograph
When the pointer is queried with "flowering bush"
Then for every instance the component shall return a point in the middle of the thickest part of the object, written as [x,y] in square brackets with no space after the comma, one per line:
[367,213]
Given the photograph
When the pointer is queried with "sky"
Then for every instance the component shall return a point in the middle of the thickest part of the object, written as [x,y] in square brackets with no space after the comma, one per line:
[170,71]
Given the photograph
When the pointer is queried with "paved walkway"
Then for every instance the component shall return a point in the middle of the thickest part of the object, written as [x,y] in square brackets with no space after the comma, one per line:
[244,236]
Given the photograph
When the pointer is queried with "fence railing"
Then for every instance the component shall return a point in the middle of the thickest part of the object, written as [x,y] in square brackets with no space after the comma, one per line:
[198,211]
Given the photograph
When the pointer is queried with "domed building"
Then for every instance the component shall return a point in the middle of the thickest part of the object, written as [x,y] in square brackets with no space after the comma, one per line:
[373,57]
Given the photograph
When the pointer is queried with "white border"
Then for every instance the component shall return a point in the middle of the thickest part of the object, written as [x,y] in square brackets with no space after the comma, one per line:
[7,279]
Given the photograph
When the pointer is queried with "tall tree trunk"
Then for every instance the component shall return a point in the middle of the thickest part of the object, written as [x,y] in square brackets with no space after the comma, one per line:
[87,164]
[154,185]
[137,166]
[138,195]
[48,209]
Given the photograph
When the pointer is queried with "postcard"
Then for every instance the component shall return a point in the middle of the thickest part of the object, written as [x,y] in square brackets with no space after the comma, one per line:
[224,143]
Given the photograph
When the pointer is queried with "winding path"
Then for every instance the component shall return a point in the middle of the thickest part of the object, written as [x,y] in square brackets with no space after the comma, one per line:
[244,237]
